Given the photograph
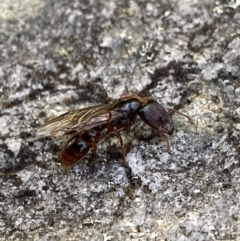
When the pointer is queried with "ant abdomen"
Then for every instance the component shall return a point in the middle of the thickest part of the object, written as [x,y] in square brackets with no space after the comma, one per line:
[75,152]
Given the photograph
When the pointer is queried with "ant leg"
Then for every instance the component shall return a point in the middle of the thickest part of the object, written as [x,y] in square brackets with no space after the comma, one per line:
[94,147]
[109,118]
[125,163]
[166,138]
[109,129]
[134,96]
[168,143]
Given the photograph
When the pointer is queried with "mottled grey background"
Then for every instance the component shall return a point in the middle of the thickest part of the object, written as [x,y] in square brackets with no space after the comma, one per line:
[57,56]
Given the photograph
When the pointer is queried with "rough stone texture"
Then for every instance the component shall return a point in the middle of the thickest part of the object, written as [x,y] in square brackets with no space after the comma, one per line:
[57,56]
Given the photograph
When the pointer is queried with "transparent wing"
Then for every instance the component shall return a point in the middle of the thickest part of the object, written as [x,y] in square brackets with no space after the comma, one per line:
[79,120]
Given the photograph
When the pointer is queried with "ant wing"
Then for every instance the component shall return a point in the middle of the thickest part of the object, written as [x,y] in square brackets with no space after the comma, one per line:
[101,119]
[79,120]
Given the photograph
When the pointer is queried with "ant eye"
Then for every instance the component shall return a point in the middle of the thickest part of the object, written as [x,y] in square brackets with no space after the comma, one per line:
[154,115]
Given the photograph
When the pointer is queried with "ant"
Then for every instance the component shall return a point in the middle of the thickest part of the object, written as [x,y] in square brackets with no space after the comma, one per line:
[88,126]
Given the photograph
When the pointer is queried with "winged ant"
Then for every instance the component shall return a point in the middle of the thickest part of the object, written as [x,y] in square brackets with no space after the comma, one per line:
[87,127]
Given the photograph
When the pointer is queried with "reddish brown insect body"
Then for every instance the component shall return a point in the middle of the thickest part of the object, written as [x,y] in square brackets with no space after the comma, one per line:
[91,125]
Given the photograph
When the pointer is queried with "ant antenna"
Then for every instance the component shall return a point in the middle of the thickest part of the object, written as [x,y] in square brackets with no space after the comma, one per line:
[172,111]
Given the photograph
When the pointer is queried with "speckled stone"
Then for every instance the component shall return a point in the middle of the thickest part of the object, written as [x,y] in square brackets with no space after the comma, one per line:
[57,56]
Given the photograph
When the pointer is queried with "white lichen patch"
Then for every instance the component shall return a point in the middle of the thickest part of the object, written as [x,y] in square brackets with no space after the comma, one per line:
[5,124]
[26,176]
[204,114]
[136,163]
[14,145]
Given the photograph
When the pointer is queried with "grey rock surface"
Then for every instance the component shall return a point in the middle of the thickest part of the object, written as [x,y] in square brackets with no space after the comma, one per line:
[57,56]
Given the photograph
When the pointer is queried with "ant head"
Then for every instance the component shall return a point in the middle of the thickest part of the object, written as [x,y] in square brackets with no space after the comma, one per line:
[154,115]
